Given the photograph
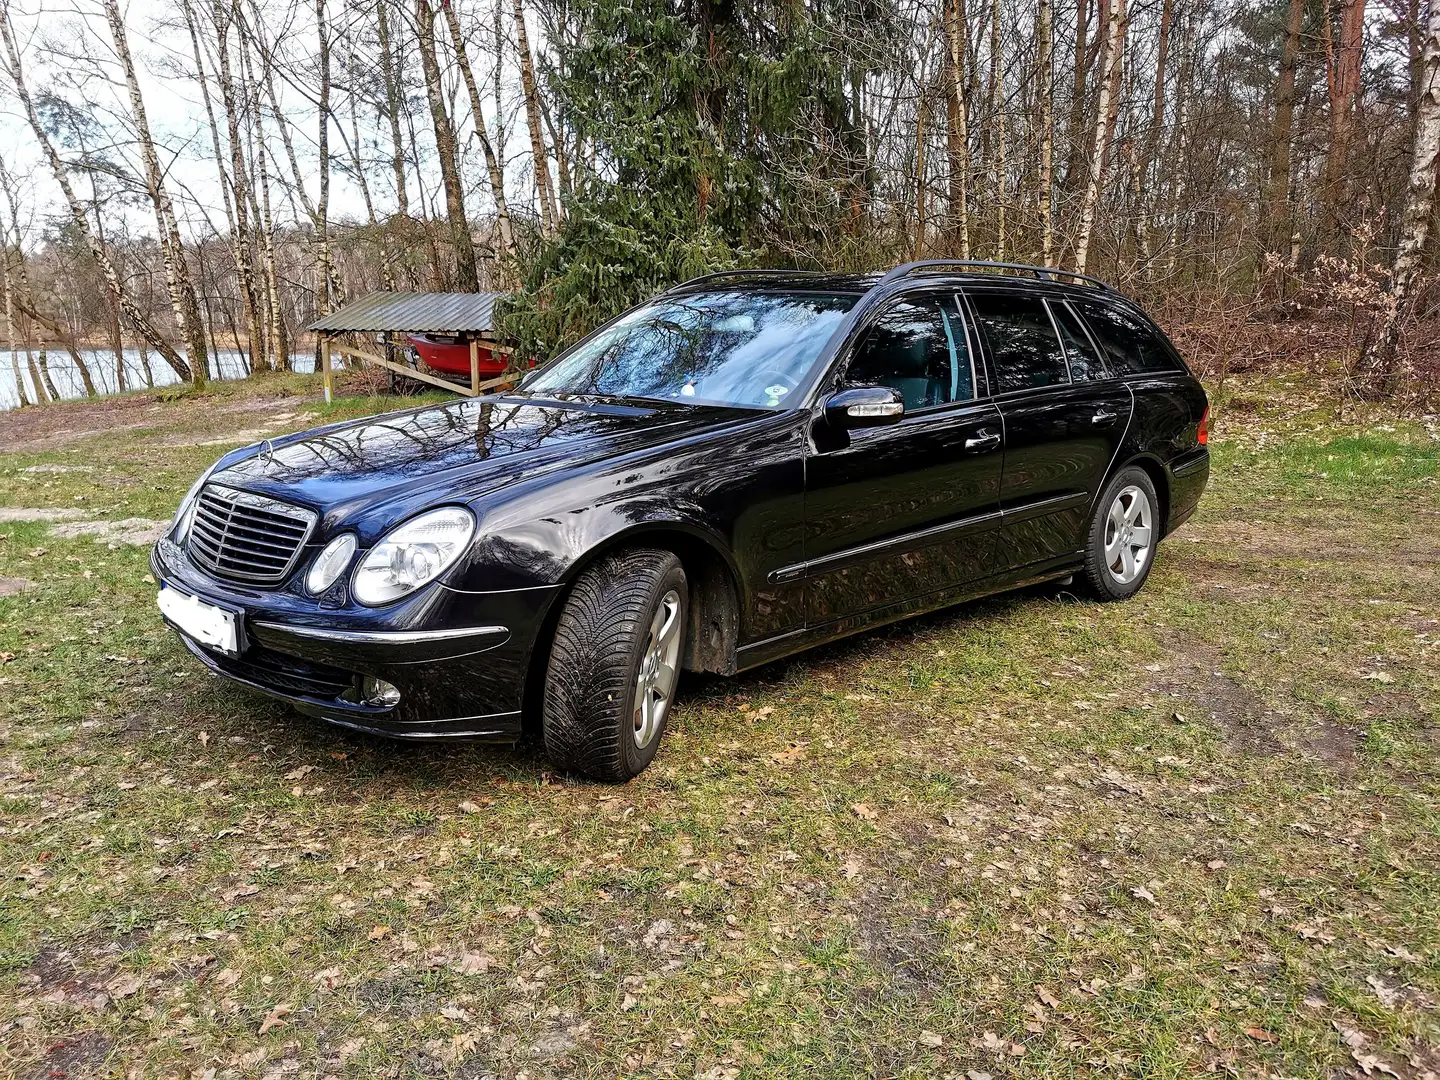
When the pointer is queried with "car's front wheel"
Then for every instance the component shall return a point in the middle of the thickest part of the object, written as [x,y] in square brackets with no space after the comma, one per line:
[1124,529]
[615,664]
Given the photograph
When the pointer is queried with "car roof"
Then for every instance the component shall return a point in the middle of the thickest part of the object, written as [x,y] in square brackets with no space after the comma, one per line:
[927,273]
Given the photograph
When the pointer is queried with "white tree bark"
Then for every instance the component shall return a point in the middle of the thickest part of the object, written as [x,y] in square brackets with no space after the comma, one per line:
[1380,364]
[1106,111]
[177,275]
[132,312]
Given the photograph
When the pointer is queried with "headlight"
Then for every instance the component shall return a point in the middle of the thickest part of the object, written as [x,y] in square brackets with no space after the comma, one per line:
[186,512]
[330,563]
[417,552]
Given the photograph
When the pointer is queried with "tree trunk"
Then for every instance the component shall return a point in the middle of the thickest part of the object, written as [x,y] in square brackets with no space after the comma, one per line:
[278,345]
[1380,368]
[958,132]
[1276,196]
[1343,64]
[133,313]
[242,241]
[1044,77]
[1150,167]
[177,274]
[492,164]
[392,109]
[1074,133]
[8,289]
[1106,112]
[997,121]
[549,211]
[466,274]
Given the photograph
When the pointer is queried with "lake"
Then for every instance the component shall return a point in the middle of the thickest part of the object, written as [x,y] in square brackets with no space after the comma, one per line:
[228,364]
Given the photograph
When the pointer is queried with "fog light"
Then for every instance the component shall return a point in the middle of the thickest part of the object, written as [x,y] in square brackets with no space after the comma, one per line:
[379,692]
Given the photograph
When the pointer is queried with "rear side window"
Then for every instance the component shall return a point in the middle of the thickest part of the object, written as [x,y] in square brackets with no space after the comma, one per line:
[916,346]
[1085,362]
[1130,345]
[1023,346]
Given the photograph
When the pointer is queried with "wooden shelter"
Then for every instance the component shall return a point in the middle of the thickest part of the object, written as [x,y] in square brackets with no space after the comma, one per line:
[468,316]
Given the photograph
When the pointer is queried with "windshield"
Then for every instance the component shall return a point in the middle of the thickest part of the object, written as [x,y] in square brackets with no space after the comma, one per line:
[747,349]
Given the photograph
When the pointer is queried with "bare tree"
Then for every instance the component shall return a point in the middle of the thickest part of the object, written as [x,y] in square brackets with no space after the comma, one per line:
[492,163]
[466,274]
[1379,366]
[1106,113]
[133,314]
[177,274]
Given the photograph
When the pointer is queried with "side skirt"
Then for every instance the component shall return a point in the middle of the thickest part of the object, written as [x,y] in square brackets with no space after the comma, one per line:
[782,645]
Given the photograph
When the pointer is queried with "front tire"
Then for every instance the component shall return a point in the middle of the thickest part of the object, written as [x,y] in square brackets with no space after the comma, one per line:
[615,664]
[1124,530]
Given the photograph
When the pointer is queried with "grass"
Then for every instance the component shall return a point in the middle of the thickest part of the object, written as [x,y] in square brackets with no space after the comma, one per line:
[1194,833]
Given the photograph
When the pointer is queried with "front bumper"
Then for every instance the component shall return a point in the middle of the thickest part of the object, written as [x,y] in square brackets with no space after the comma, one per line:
[459,660]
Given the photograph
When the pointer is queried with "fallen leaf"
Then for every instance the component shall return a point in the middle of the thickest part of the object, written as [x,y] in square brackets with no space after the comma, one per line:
[1380,677]
[300,773]
[1047,997]
[379,932]
[473,963]
[328,978]
[468,807]
[1261,1035]
[123,986]
[273,1017]
[930,1038]
[864,811]
[629,1003]
[1141,893]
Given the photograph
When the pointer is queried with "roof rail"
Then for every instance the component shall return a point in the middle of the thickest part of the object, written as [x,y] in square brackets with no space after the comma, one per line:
[739,273]
[1044,273]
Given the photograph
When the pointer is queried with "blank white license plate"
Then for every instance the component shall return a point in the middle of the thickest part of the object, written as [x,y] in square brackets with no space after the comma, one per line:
[206,623]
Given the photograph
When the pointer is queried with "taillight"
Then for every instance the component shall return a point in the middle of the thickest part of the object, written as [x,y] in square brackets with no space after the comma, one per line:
[1202,436]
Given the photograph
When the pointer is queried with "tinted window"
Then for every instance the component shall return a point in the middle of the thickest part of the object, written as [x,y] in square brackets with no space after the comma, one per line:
[918,347]
[1084,360]
[717,348]
[1022,341]
[1130,345]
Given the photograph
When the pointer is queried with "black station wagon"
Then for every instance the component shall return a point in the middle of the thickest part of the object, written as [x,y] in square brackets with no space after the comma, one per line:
[748,465]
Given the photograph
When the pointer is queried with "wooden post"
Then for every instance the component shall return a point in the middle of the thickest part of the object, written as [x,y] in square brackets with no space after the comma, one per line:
[325,369]
[474,367]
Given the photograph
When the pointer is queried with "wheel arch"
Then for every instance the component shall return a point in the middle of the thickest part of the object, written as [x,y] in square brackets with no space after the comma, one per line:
[713,630]
[1159,475]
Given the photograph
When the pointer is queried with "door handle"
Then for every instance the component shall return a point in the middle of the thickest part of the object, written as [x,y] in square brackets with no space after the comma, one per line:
[983,441]
[1104,416]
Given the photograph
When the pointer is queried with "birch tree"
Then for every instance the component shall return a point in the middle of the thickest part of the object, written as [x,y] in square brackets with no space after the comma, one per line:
[1106,112]
[1379,368]
[177,275]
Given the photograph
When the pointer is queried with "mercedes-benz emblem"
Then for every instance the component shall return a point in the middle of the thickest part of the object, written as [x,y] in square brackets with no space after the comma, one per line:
[267,454]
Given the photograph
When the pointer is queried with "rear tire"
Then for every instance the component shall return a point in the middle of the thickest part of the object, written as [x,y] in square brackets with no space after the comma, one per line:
[1124,531]
[615,663]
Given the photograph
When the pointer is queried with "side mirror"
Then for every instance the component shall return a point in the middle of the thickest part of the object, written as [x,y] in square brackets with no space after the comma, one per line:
[864,406]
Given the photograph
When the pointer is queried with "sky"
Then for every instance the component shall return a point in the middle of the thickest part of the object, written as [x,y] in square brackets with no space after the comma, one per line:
[66,46]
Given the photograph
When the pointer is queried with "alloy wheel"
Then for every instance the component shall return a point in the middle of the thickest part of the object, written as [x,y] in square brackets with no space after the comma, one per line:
[659,670]
[1129,534]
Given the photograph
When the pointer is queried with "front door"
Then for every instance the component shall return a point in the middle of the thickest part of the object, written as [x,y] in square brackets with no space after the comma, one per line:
[1064,420]
[895,512]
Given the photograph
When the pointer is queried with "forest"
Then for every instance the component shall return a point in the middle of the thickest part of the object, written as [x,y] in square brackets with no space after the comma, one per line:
[186,179]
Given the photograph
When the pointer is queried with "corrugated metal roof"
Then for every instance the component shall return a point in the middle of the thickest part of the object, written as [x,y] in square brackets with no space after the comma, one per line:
[415,313]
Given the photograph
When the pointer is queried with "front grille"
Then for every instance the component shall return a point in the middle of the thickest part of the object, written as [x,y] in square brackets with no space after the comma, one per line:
[247,537]
[286,674]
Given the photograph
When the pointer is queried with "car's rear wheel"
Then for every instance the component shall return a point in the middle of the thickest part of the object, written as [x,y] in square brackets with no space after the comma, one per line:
[1124,530]
[615,664]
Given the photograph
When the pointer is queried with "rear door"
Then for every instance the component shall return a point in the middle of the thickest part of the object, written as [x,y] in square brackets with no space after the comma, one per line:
[1064,414]
[895,512]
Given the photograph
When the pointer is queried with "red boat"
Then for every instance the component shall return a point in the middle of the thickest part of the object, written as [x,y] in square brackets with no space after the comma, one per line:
[450,355]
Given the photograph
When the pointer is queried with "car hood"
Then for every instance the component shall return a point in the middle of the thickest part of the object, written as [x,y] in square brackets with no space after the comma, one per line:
[455,452]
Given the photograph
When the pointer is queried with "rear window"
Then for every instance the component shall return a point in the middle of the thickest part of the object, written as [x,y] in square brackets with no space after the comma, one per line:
[1131,346]
[1023,346]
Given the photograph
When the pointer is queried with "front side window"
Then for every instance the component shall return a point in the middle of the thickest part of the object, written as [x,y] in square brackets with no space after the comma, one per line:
[1023,345]
[1085,362]
[1131,346]
[737,348]
[916,346]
